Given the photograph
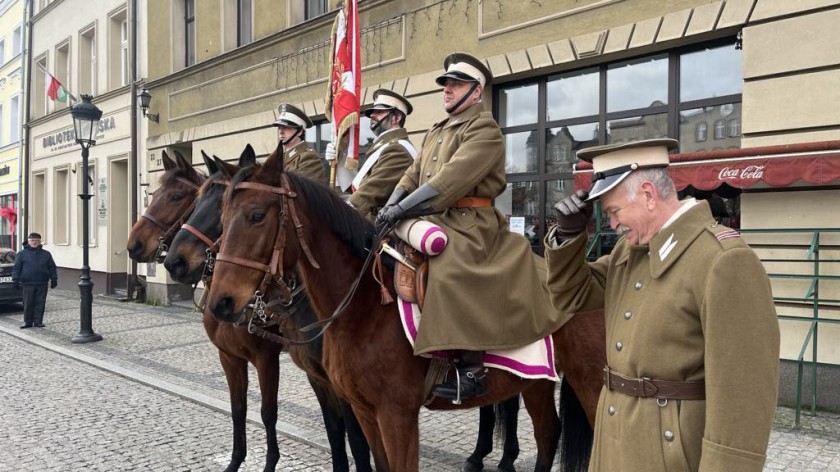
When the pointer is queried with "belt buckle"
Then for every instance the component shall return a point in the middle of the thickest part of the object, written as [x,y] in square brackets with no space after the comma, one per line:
[647,381]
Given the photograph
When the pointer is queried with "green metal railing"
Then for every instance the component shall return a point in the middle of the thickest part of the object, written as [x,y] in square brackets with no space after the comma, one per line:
[811,297]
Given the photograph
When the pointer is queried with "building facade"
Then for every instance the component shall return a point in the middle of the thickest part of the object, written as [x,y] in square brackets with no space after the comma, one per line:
[89,51]
[11,95]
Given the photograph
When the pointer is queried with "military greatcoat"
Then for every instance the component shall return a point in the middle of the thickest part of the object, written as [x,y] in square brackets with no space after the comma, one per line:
[483,290]
[392,161]
[694,304]
[303,160]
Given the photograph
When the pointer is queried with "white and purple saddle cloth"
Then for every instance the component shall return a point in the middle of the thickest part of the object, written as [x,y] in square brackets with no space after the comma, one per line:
[534,361]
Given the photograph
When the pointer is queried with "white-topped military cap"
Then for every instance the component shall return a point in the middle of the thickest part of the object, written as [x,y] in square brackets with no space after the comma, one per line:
[384,99]
[292,117]
[466,68]
[612,163]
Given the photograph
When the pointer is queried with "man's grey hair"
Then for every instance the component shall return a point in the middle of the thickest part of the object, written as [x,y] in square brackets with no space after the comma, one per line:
[657,176]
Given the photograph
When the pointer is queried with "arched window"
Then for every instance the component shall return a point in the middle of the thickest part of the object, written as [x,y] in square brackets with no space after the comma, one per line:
[720,129]
[701,132]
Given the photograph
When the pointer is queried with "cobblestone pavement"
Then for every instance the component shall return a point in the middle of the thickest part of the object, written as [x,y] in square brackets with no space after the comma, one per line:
[152,396]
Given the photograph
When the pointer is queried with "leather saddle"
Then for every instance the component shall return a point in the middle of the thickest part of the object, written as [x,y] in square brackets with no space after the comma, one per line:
[410,282]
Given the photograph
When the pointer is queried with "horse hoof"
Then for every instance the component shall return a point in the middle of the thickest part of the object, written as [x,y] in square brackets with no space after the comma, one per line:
[471,467]
[505,468]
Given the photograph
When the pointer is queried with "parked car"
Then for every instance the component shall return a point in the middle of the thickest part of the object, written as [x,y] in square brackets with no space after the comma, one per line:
[8,292]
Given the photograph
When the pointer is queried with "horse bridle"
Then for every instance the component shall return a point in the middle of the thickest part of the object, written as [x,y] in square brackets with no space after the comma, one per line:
[169,229]
[273,271]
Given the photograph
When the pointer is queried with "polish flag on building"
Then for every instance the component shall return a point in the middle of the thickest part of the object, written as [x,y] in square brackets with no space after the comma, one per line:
[342,101]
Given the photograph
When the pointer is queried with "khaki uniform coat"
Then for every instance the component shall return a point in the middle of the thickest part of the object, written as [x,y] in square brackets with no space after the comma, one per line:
[704,312]
[483,291]
[303,160]
[385,173]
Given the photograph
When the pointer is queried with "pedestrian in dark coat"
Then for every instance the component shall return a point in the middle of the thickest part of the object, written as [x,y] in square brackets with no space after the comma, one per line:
[34,268]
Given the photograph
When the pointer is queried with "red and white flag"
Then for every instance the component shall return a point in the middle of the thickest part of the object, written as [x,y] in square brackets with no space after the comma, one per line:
[345,85]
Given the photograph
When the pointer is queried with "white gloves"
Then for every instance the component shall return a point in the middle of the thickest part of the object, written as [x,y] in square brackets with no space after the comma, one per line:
[329,153]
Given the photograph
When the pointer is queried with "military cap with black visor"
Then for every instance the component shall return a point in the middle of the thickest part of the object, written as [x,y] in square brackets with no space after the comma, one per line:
[464,68]
[291,116]
[611,164]
[387,100]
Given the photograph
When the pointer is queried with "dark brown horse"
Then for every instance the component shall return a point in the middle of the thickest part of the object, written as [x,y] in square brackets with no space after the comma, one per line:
[185,262]
[171,205]
[276,222]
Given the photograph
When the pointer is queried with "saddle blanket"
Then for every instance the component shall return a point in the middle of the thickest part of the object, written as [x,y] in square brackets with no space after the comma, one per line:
[534,361]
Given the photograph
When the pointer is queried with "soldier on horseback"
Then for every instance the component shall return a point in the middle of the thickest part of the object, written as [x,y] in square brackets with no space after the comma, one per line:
[483,291]
[300,157]
[388,156]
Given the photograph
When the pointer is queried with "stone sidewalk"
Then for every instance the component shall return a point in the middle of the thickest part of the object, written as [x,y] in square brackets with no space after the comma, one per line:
[166,348]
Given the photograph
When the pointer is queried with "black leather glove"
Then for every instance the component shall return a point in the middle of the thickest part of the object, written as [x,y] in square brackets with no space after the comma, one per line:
[389,216]
[573,214]
[54,284]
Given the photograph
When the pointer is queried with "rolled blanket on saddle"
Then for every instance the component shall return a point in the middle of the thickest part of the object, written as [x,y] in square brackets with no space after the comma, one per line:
[426,237]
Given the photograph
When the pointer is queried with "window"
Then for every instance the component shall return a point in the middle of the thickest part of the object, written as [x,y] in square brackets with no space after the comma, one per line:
[315,8]
[2,51]
[2,120]
[545,121]
[720,129]
[90,181]
[14,119]
[16,41]
[118,60]
[244,22]
[87,61]
[701,132]
[734,127]
[61,207]
[39,95]
[62,71]
[189,28]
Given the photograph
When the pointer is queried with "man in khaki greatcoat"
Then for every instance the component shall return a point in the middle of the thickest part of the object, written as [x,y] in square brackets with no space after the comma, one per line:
[483,291]
[299,157]
[387,158]
[692,334]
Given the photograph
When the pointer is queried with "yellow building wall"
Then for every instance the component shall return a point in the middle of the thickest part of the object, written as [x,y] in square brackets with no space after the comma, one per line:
[11,17]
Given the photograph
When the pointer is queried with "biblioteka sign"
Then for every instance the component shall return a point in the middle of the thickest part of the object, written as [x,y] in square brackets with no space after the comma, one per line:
[67,138]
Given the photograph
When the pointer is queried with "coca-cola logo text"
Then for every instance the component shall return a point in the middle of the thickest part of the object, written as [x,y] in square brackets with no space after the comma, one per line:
[749,172]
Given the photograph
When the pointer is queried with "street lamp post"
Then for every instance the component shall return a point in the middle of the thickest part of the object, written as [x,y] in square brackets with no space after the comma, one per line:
[85,124]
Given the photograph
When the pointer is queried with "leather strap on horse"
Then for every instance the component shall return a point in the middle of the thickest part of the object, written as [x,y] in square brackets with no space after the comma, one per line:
[650,388]
[472,202]
[379,277]
[198,234]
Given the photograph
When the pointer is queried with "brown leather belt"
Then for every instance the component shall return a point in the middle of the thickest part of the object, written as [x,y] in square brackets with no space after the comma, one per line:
[660,389]
[472,202]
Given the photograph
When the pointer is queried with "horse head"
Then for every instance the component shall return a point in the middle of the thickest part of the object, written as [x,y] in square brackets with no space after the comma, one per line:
[171,203]
[277,222]
[187,254]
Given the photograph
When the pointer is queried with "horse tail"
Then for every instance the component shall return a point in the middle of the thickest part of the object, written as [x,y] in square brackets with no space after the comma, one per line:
[576,436]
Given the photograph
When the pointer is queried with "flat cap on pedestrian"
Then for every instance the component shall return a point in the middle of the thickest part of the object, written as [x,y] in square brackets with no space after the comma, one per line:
[292,117]
[466,68]
[34,236]
[612,163]
[384,99]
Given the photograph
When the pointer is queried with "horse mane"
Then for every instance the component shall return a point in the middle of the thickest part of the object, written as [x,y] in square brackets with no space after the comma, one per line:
[342,219]
[206,186]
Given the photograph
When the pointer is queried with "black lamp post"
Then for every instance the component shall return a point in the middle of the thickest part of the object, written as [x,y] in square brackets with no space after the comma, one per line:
[86,123]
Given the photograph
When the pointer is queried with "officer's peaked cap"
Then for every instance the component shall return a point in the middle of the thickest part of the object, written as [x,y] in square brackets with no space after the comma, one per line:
[466,68]
[384,99]
[612,163]
[292,117]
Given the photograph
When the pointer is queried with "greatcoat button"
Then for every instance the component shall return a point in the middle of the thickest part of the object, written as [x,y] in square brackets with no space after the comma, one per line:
[669,436]
[434,159]
[637,285]
[428,174]
[627,315]
[619,346]
[611,410]
[440,140]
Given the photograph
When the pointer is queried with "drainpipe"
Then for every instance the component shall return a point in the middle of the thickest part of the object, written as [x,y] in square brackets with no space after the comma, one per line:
[131,277]
[23,156]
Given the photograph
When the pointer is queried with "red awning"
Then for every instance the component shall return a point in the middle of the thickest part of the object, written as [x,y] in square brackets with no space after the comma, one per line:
[777,166]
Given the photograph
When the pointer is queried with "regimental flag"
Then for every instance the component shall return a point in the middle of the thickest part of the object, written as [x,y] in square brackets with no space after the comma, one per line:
[342,101]
[55,91]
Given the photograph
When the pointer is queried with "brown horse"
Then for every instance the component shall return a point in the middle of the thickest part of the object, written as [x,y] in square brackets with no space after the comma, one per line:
[185,262]
[278,221]
[171,205]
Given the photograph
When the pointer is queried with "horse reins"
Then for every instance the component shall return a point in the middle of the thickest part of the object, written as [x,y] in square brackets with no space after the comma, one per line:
[168,230]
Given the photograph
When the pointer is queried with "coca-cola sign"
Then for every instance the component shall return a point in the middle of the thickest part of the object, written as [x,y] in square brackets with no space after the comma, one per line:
[748,172]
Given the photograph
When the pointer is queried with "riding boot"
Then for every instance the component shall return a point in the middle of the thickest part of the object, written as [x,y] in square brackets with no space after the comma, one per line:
[468,381]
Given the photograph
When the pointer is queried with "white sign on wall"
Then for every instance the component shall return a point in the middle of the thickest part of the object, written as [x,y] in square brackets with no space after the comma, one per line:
[102,211]
[517,225]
